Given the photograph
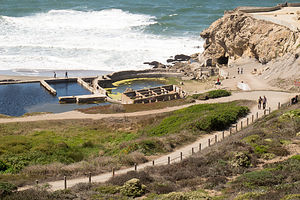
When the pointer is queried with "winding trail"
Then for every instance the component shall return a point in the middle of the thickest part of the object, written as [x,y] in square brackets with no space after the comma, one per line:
[273,98]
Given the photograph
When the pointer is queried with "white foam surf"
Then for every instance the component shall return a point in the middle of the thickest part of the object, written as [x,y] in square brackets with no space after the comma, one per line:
[74,40]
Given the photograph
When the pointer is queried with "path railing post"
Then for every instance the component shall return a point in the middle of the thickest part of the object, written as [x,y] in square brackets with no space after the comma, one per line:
[236,127]
[230,131]
[90,177]
[153,162]
[278,105]
[256,115]
[113,172]
[241,125]
[247,121]
[169,160]
[265,111]
[269,110]
[223,135]
[216,138]
[181,157]
[199,146]
[208,142]
[252,118]
[65,181]
[192,150]
[135,167]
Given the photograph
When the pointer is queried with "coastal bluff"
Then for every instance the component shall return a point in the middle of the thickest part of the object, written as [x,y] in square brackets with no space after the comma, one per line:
[241,35]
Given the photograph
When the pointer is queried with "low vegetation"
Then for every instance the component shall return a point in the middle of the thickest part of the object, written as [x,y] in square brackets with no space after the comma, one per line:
[44,149]
[211,94]
[127,108]
[260,162]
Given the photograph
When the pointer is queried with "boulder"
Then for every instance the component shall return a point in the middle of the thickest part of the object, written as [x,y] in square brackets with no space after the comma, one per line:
[239,35]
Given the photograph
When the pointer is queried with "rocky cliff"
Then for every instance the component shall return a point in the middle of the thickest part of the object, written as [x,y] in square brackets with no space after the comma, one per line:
[239,35]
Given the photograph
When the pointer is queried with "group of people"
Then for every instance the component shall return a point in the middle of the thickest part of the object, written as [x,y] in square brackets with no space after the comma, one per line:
[263,102]
[66,74]
[240,70]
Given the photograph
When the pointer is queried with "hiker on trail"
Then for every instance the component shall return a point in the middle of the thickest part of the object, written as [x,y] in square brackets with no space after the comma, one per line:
[259,102]
[54,74]
[238,70]
[264,102]
[66,74]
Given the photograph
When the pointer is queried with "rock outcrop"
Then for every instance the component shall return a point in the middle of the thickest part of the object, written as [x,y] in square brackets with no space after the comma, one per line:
[239,35]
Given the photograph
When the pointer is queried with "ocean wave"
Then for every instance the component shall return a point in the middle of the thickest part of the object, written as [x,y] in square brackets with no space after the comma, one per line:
[110,39]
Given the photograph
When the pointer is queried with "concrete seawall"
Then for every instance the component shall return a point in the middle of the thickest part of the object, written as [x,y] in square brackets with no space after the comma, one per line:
[48,88]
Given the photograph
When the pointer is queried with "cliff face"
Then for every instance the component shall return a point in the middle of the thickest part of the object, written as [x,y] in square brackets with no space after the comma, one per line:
[239,35]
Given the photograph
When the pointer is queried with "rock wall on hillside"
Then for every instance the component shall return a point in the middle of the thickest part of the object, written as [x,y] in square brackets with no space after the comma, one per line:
[239,35]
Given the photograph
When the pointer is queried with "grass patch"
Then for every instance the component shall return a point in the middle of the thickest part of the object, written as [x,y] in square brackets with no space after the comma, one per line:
[203,117]
[211,94]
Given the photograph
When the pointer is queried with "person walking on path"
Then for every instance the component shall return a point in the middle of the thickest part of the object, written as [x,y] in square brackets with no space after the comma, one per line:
[264,102]
[259,101]
[54,74]
[66,74]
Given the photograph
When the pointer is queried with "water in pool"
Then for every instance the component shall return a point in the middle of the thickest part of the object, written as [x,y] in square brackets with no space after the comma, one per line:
[136,85]
[18,99]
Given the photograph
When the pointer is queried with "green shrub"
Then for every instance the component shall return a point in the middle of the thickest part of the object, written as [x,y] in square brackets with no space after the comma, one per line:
[259,178]
[3,166]
[133,188]
[218,93]
[108,189]
[6,189]
[211,94]
[296,157]
[88,144]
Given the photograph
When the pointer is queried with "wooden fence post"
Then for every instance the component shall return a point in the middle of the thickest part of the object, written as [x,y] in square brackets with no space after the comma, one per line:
[169,160]
[153,162]
[269,110]
[241,125]
[236,127]
[223,135]
[216,138]
[230,131]
[90,177]
[278,105]
[135,167]
[208,142]
[199,146]
[247,121]
[256,115]
[264,111]
[192,150]
[113,172]
[252,118]
[65,180]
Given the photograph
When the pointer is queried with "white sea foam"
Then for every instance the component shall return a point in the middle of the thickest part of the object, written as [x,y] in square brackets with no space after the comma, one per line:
[97,40]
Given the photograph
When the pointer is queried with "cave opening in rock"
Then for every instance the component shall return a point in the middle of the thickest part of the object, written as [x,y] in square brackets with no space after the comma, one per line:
[223,60]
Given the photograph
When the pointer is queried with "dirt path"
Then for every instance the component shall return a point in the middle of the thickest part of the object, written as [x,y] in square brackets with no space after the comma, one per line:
[273,99]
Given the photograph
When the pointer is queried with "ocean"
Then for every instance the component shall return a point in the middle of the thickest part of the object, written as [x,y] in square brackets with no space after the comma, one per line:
[38,36]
